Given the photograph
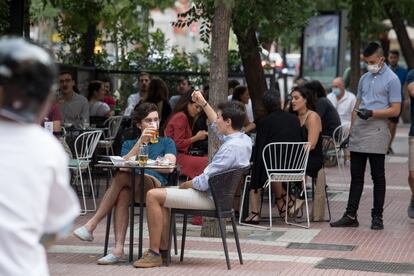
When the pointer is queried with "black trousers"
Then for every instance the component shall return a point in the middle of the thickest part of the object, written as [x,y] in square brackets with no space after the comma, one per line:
[358,165]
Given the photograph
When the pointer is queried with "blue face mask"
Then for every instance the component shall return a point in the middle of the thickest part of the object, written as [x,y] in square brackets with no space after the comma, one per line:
[336,91]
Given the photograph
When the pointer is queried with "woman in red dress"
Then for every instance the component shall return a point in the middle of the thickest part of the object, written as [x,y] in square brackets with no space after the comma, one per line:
[179,128]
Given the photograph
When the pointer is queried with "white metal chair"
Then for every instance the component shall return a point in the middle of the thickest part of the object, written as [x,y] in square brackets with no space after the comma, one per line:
[85,145]
[284,162]
[113,123]
[339,136]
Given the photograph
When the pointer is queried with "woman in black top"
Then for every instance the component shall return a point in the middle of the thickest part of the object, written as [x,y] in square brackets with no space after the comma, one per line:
[303,105]
[276,126]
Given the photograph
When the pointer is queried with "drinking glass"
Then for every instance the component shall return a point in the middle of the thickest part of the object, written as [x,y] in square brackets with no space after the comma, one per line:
[143,155]
[155,133]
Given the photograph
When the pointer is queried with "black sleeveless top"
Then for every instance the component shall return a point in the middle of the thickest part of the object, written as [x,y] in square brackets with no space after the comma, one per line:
[315,160]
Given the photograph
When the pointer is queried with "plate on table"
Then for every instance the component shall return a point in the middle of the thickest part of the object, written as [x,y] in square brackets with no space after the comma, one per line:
[149,162]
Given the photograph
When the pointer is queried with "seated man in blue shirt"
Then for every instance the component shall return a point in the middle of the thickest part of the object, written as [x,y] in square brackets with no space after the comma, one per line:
[194,194]
[146,119]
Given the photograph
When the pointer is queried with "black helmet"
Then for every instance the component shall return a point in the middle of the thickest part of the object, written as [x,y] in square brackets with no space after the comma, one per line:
[27,74]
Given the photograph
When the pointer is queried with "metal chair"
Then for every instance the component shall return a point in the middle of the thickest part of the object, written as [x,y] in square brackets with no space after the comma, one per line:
[223,187]
[113,123]
[284,162]
[85,145]
[339,136]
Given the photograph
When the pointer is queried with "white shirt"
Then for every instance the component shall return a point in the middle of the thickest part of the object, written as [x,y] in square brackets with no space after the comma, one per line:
[98,108]
[344,106]
[132,101]
[35,196]
[249,109]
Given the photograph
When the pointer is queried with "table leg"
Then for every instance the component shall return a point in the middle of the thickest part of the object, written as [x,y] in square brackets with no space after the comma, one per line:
[131,217]
[141,212]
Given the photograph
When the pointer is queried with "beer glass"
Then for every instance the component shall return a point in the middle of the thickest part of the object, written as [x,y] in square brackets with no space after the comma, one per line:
[143,155]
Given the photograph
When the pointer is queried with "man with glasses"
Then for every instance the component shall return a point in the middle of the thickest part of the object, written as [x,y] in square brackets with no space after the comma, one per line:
[74,107]
[133,99]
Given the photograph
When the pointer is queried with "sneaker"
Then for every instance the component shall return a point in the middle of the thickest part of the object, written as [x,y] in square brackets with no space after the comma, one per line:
[83,234]
[345,221]
[149,259]
[377,223]
[410,210]
[111,259]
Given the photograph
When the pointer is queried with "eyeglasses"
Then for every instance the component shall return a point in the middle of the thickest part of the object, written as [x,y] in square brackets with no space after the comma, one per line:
[149,121]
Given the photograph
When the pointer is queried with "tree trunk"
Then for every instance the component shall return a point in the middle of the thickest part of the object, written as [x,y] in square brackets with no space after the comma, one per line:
[89,39]
[252,66]
[355,39]
[218,85]
[26,18]
[401,31]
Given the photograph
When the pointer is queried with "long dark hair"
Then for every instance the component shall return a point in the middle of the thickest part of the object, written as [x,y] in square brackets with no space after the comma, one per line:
[307,95]
[157,91]
[182,106]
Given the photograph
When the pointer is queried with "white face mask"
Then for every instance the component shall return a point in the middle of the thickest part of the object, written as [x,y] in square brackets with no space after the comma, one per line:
[336,91]
[373,68]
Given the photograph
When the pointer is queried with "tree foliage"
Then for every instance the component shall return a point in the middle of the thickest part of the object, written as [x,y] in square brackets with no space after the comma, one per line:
[4,15]
[81,24]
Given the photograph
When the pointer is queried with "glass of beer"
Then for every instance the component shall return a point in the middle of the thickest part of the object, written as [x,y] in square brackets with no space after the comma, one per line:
[155,133]
[154,137]
[143,155]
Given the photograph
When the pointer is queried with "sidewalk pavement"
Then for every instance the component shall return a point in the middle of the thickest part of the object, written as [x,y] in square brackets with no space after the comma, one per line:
[284,250]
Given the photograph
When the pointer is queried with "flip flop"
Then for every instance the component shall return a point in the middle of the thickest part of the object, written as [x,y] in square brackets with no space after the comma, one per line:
[83,234]
[111,259]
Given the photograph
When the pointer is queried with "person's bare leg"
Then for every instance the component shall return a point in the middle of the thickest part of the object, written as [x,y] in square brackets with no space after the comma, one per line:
[155,201]
[280,196]
[122,179]
[254,198]
[121,216]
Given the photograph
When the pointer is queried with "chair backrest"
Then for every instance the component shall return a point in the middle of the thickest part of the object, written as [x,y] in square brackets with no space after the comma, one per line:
[285,158]
[223,187]
[341,133]
[85,144]
[113,123]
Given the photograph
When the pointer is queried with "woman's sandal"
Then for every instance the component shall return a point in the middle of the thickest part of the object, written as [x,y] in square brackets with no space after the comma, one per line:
[282,209]
[251,221]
